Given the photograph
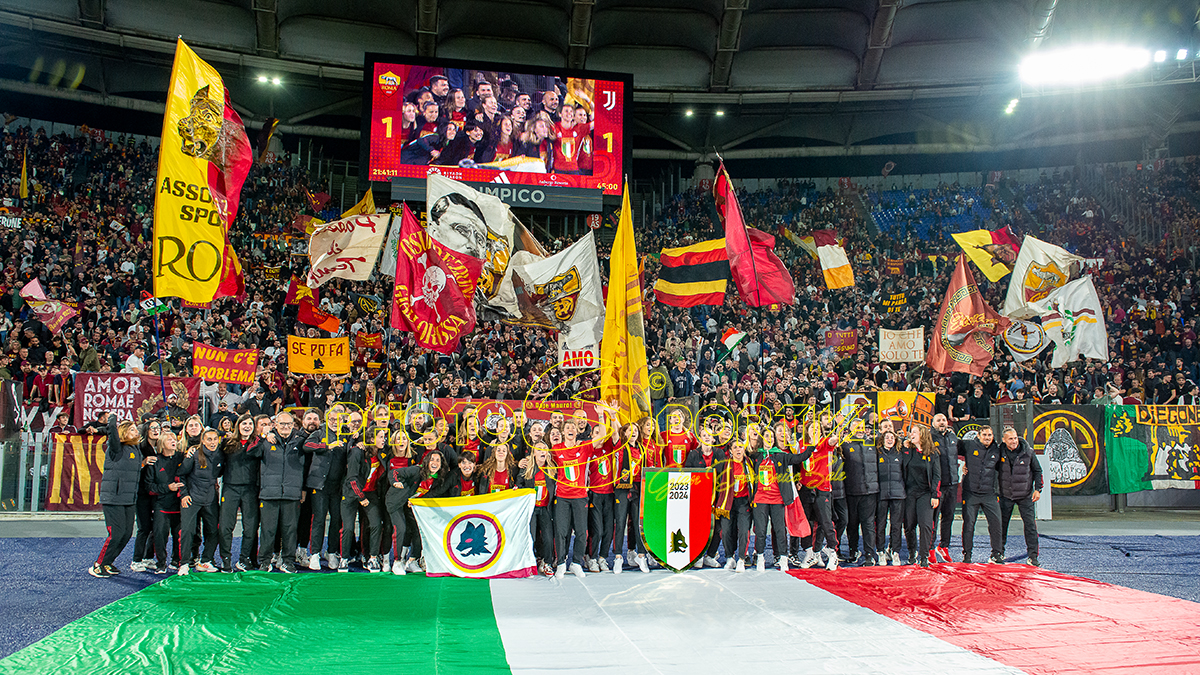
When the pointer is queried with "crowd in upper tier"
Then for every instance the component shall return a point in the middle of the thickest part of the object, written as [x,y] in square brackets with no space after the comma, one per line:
[83,233]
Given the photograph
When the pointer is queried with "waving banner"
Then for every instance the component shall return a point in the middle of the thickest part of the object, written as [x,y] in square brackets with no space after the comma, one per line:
[563,293]
[346,248]
[317,355]
[232,366]
[484,537]
[129,396]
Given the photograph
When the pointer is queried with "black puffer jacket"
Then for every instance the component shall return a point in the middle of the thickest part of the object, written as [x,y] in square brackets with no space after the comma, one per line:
[1020,472]
[891,473]
[241,464]
[983,465]
[946,444]
[122,470]
[862,472]
[328,465]
[200,482]
[281,471]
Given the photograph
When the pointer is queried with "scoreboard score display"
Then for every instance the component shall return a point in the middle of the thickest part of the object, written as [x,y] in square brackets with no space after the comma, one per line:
[495,123]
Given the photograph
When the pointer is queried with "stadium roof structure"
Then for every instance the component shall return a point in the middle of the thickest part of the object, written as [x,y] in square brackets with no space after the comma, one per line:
[752,79]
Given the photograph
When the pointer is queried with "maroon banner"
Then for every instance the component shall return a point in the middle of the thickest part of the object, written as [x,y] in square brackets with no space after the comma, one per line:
[368,340]
[842,341]
[963,340]
[76,465]
[130,396]
[490,408]
[891,266]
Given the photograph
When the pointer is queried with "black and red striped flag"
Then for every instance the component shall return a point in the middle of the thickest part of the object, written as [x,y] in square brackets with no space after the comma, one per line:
[693,275]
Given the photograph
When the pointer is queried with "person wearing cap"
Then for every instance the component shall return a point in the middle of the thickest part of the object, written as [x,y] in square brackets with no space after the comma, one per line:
[174,414]
[87,358]
[135,364]
[5,373]
[62,424]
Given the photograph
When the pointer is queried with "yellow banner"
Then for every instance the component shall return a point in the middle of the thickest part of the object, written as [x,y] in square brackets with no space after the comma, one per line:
[189,224]
[315,355]
[623,373]
[365,206]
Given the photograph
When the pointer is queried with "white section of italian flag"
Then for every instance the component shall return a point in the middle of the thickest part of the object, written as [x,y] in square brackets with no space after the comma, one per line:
[731,338]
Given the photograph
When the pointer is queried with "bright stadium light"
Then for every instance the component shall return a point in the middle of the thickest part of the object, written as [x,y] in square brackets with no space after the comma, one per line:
[262,79]
[689,113]
[276,81]
[1160,56]
[1082,65]
[1012,106]
[720,113]
[1181,55]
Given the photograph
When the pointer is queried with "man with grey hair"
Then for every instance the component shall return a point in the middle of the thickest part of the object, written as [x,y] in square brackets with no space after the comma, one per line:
[1020,486]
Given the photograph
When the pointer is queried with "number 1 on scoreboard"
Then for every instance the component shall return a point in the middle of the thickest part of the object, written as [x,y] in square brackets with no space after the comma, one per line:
[608,138]
[387,122]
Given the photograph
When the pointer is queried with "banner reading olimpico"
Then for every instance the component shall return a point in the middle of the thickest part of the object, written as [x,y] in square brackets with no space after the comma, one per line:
[1153,447]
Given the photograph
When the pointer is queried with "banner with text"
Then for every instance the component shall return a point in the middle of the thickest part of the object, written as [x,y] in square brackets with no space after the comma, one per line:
[317,355]
[1153,447]
[842,341]
[895,302]
[900,346]
[231,366]
[130,396]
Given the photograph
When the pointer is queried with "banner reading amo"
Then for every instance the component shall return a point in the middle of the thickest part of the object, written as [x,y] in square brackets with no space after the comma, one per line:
[677,514]
[482,537]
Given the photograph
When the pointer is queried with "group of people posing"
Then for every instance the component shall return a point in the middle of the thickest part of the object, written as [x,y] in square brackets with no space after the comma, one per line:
[301,482]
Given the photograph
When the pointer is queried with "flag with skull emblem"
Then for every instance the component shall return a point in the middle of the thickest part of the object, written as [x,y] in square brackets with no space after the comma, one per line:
[434,286]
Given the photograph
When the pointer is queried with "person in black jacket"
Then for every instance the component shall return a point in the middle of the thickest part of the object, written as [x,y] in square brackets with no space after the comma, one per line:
[167,485]
[1020,486]
[862,493]
[707,456]
[143,541]
[200,469]
[239,491]
[118,492]
[982,456]
[539,474]
[432,478]
[323,482]
[922,489]
[947,446]
[891,498]
[364,468]
[281,479]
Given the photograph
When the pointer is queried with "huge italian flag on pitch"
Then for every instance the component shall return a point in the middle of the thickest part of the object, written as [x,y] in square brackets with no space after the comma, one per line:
[677,514]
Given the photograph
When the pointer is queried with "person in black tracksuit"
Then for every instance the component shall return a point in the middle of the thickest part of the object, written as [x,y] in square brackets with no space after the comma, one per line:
[324,486]
[837,483]
[433,477]
[946,443]
[202,465]
[118,492]
[360,500]
[281,478]
[311,422]
[891,498]
[538,474]
[239,491]
[982,456]
[862,495]
[167,484]
[922,490]
[707,456]
[143,542]
[1020,486]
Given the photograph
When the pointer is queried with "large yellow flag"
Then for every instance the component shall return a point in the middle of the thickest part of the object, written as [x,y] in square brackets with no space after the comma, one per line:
[365,207]
[202,161]
[24,194]
[623,374]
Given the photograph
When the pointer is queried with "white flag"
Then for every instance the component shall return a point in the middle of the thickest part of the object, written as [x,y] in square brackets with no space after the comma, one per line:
[1025,340]
[1040,268]
[391,247]
[480,225]
[563,293]
[346,248]
[1073,319]
[483,537]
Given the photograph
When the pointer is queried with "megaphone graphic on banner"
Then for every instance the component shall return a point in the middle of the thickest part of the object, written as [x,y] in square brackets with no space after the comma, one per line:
[899,410]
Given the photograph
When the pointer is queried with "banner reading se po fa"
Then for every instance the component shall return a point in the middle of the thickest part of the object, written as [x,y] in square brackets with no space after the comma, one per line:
[315,355]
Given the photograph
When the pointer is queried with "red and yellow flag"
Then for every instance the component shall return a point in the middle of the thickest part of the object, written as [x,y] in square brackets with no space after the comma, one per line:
[202,162]
[623,372]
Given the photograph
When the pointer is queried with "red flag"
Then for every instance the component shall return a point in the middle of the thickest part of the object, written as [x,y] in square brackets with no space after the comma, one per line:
[760,276]
[315,316]
[963,340]
[298,291]
[225,178]
[317,201]
[434,289]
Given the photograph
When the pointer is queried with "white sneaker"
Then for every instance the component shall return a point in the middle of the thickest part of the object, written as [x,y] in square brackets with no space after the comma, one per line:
[592,565]
[831,555]
[895,558]
[183,571]
[137,566]
[343,566]
[577,570]
[762,562]
[618,565]
[604,565]
[710,561]
[881,559]
[560,571]
[301,556]
[398,568]
[314,562]
[783,563]
[810,558]
[413,566]
[333,561]
[740,567]
[730,562]
[643,564]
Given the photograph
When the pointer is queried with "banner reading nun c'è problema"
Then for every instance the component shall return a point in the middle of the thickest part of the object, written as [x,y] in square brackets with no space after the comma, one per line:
[481,537]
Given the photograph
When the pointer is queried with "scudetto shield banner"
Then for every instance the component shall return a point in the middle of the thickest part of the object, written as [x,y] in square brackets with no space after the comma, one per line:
[677,514]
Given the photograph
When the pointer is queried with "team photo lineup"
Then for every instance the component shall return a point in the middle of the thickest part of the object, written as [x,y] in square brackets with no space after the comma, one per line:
[265,378]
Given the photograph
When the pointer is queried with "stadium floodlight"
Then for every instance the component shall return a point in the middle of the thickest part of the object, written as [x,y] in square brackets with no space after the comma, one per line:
[1160,56]
[262,79]
[1181,55]
[1081,65]
[720,113]
[276,81]
[1012,106]
[689,113]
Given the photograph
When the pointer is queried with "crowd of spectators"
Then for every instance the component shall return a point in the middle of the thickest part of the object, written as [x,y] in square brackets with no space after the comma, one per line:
[84,229]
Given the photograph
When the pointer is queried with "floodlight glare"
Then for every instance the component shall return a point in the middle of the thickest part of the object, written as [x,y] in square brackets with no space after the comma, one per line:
[262,79]
[1160,56]
[689,113]
[720,113]
[1012,106]
[1082,64]
[1181,55]
[276,81]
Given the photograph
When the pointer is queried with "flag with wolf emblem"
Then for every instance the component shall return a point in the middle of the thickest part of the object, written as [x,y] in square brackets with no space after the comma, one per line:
[483,537]
[677,514]
[563,293]
[1040,268]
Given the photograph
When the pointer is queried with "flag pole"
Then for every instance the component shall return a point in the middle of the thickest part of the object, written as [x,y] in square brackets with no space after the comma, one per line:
[158,345]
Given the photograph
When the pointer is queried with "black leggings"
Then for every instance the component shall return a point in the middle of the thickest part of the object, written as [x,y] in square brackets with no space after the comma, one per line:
[918,513]
[145,538]
[541,526]
[167,524]
[779,541]
[403,528]
[119,521]
[570,515]
[206,517]
[601,518]
[233,499]
[627,501]
[368,520]
[736,526]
